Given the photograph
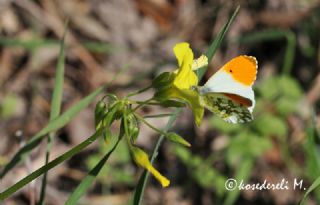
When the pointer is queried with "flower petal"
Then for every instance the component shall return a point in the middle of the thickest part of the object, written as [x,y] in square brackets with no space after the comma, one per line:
[183,52]
[185,77]
[193,100]
[199,62]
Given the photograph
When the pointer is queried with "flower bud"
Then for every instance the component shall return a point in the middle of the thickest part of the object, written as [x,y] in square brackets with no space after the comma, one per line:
[99,113]
[177,139]
[133,127]
[163,80]
[142,159]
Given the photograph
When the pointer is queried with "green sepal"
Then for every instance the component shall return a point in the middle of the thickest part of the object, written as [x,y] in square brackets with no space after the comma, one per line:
[172,103]
[99,113]
[174,137]
[107,135]
[111,115]
[163,80]
[162,94]
[133,127]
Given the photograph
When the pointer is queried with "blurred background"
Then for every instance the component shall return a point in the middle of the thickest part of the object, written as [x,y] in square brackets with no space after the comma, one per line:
[105,36]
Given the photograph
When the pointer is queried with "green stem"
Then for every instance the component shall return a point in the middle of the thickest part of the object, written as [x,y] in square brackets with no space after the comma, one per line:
[147,102]
[55,106]
[290,52]
[150,125]
[144,102]
[44,179]
[11,190]
[90,178]
[144,178]
[139,91]
[158,116]
[210,53]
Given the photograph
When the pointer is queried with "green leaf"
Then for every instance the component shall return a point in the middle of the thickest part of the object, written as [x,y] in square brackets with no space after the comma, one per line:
[268,88]
[116,173]
[268,124]
[177,139]
[246,145]
[283,92]
[216,43]
[55,107]
[137,198]
[58,85]
[313,186]
[183,154]
[208,177]
[312,151]
[286,106]
[11,190]
[53,125]
[138,194]
[33,44]
[201,170]
[242,173]
[312,164]
[89,179]
[289,87]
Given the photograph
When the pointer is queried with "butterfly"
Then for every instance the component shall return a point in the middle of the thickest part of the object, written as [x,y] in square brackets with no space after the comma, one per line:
[228,93]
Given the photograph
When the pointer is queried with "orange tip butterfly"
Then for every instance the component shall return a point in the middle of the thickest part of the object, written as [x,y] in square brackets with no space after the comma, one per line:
[228,93]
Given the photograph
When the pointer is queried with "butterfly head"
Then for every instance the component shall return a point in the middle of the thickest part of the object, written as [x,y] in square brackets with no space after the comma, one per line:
[195,88]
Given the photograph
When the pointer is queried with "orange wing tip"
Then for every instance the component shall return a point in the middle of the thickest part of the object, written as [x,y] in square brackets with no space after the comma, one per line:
[251,58]
[255,62]
[243,69]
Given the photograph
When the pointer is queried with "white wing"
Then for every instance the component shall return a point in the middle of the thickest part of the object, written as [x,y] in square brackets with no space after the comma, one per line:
[222,82]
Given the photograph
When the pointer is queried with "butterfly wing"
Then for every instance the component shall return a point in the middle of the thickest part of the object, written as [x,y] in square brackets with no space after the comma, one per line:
[229,110]
[232,86]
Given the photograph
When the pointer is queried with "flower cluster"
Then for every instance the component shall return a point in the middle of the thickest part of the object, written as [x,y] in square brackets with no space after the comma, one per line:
[179,84]
[172,89]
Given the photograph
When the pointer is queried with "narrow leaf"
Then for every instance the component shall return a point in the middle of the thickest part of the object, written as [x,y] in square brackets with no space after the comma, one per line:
[137,198]
[138,194]
[56,103]
[216,43]
[8,192]
[33,44]
[242,173]
[58,85]
[53,125]
[89,179]
[313,186]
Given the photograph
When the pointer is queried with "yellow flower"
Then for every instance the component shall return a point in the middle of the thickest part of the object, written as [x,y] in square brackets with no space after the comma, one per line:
[142,159]
[185,78]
